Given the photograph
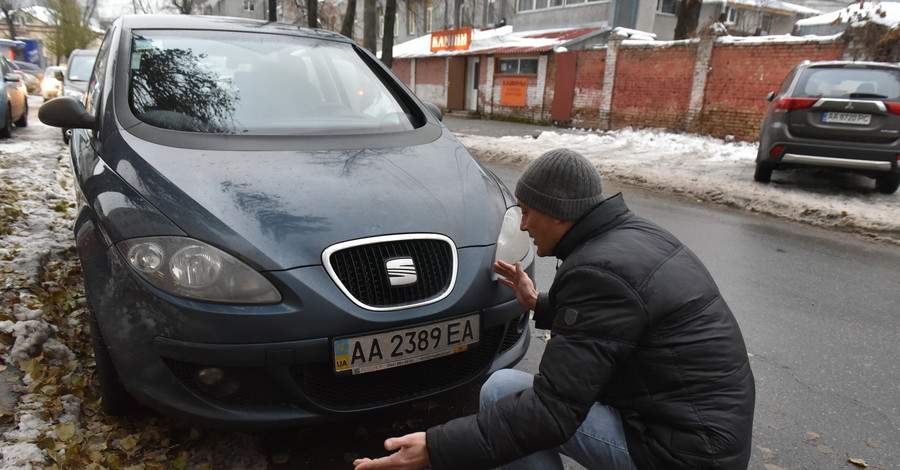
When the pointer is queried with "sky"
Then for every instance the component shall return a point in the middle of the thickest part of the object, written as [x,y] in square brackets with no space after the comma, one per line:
[35,163]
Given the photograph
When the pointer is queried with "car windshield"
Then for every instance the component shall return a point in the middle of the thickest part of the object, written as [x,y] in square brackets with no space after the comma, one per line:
[257,84]
[80,67]
[883,84]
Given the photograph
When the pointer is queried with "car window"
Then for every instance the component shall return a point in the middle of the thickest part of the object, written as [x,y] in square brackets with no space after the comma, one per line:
[849,83]
[80,67]
[258,84]
[93,94]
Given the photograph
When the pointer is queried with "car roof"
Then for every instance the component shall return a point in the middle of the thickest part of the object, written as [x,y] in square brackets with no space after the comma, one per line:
[852,63]
[223,23]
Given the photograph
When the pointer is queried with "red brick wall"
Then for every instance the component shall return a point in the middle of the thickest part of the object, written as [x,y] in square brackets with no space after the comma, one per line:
[652,87]
[588,87]
[402,69]
[740,77]
[430,71]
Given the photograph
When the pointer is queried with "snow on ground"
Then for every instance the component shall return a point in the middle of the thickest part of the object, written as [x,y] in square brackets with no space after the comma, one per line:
[711,170]
[34,166]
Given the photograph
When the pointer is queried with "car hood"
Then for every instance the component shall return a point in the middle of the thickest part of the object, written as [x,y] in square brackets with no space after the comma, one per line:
[281,209]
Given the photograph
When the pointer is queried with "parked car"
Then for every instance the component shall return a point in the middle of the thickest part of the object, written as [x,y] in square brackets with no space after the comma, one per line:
[51,84]
[13,103]
[31,74]
[275,231]
[78,70]
[839,115]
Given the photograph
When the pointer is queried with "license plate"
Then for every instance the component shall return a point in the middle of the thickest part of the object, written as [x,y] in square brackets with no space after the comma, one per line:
[848,118]
[380,351]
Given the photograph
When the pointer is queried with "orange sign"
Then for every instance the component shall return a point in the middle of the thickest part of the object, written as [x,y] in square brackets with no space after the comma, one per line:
[451,39]
[513,91]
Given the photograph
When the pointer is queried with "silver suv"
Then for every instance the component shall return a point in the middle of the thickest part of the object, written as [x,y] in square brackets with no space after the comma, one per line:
[840,115]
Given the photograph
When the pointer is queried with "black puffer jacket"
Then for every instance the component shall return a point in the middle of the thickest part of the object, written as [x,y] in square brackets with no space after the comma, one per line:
[637,323]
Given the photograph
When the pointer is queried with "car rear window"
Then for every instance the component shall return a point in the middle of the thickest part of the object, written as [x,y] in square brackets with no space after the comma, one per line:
[862,83]
[80,67]
[259,84]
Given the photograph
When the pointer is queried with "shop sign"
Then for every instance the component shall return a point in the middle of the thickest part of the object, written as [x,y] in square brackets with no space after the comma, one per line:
[451,40]
[513,91]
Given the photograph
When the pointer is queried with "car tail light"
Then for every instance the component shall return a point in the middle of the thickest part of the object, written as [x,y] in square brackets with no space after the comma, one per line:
[786,104]
[776,150]
[893,107]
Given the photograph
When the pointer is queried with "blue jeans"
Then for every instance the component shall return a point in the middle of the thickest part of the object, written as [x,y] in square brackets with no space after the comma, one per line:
[599,442]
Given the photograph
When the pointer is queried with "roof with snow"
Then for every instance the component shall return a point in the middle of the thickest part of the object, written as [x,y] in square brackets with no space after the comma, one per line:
[776,5]
[886,13]
[504,40]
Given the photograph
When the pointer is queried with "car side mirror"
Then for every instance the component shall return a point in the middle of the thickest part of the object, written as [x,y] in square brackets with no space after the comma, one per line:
[435,110]
[11,77]
[66,112]
[59,76]
[770,96]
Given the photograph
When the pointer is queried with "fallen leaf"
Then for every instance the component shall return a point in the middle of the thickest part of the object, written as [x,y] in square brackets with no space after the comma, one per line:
[858,462]
[281,457]
[65,431]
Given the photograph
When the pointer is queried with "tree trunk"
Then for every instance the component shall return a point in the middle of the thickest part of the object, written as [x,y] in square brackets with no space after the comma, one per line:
[272,14]
[349,19]
[370,25]
[10,24]
[312,13]
[387,42]
[688,18]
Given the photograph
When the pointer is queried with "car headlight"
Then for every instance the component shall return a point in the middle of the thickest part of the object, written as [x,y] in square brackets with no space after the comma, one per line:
[512,244]
[195,270]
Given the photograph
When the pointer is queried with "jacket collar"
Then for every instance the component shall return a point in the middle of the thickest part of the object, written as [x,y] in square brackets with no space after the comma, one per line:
[606,215]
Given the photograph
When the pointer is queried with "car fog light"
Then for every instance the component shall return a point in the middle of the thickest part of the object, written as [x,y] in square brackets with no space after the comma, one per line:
[210,376]
[218,382]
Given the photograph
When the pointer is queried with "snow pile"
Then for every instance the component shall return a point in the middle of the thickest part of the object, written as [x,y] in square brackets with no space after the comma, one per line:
[711,170]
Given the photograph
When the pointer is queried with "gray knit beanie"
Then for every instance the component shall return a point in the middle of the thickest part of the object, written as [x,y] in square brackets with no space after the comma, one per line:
[561,183]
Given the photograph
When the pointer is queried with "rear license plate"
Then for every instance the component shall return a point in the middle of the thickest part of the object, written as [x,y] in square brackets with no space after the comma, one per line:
[380,351]
[847,118]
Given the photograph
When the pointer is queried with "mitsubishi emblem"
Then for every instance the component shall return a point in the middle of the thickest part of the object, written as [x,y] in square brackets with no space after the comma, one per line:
[849,106]
[401,271]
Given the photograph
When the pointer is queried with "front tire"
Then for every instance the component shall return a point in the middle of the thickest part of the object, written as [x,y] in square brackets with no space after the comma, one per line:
[23,121]
[115,400]
[6,130]
[887,184]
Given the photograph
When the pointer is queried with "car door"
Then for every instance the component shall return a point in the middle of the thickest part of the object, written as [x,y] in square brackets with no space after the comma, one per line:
[13,98]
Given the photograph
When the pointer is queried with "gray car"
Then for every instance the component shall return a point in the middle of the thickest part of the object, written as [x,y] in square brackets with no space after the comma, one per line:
[14,100]
[838,115]
[275,231]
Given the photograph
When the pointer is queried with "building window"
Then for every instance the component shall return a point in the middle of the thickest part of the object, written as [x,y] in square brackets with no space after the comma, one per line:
[732,15]
[381,24]
[525,5]
[411,21]
[249,6]
[515,65]
[428,15]
[665,6]
[765,26]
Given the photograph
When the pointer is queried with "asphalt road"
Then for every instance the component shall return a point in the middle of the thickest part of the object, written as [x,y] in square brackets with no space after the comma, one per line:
[819,313]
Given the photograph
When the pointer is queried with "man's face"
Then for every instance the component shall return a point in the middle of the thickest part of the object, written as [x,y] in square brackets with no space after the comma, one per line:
[546,231]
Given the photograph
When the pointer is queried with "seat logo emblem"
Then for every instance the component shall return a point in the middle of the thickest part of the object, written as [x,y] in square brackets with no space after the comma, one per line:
[401,271]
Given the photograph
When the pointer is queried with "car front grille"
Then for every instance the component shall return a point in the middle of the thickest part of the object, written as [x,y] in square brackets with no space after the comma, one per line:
[360,269]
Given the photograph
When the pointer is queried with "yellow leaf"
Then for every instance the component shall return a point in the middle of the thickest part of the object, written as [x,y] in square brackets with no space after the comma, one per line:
[128,443]
[65,431]
[180,462]
[859,462]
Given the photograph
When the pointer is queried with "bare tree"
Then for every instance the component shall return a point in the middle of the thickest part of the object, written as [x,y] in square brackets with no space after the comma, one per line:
[312,10]
[349,19]
[370,25]
[688,18]
[8,7]
[387,41]
[185,7]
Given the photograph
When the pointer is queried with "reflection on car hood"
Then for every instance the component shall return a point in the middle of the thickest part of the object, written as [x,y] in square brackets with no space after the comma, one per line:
[280,209]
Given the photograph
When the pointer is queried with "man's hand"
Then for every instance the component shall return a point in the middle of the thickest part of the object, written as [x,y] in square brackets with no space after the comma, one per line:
[412,454]
[517,279]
